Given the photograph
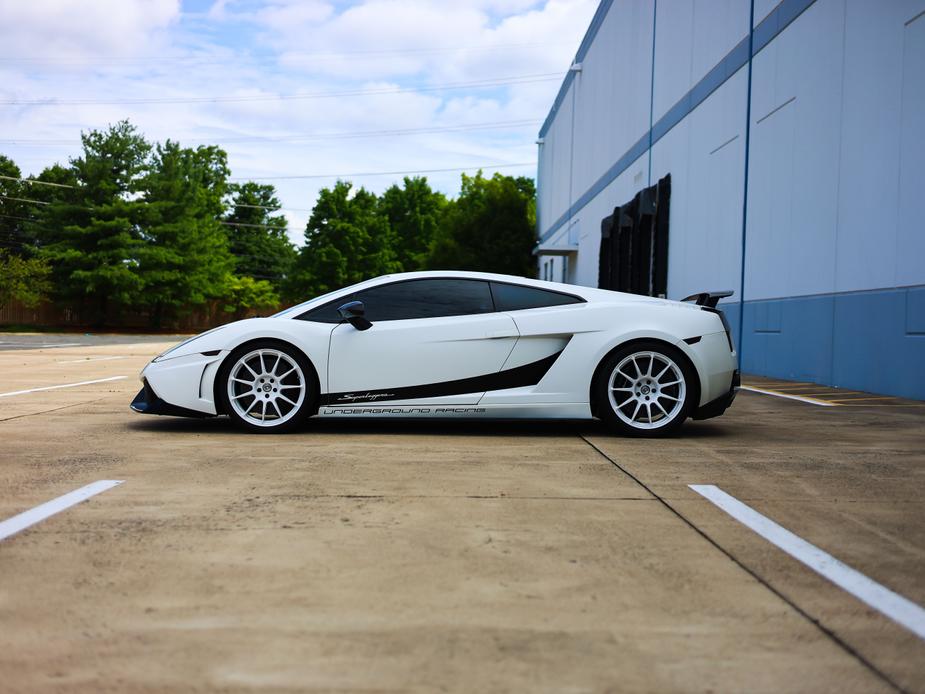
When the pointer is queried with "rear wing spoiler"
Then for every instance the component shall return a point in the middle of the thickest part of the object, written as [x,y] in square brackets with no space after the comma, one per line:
[709,299]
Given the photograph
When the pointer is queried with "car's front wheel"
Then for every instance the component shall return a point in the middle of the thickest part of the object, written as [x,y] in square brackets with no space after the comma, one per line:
[267,387]
[644,389]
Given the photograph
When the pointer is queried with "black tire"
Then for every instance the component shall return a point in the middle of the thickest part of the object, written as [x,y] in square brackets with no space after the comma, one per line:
[645,406]
[278,389]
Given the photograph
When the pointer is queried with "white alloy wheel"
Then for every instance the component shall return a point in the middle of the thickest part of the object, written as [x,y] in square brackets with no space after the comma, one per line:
[266,387]
[647,390]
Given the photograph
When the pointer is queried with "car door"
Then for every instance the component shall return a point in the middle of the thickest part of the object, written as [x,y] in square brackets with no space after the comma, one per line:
[432,341]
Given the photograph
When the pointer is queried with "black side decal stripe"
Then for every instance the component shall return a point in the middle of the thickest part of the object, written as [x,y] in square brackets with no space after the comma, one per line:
[526,375]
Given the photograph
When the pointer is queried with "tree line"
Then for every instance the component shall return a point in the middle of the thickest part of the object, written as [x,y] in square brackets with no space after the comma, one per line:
[160,229]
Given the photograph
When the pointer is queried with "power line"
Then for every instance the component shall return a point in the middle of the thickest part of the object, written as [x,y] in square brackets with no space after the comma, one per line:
[356,174]
[38,183]
[381,173]
[416,51]
[497,82]
[262,207]
[37,202]
[224,60]
[255,226]
[234,224]
[272,208]
[11,241]
[22,219]
[342,135]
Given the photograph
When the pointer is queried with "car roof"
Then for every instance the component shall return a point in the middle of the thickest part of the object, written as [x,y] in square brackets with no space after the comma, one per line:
[486,276]
[586,293]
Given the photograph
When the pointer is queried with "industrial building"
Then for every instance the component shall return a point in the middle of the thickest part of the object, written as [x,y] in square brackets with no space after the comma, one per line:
[775,149]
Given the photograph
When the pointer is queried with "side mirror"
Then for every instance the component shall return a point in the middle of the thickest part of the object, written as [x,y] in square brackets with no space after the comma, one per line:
[355,313]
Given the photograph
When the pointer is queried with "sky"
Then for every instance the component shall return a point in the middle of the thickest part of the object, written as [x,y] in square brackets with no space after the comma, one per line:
[298,92]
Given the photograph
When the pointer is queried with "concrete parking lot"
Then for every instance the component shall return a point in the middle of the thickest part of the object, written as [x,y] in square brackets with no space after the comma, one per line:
[383,556]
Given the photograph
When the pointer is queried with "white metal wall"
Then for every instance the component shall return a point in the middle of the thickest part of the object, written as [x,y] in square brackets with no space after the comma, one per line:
[705,155]
[793,160]
[555,165]
[611,92]
[881,206]
[836,185]
[691,37]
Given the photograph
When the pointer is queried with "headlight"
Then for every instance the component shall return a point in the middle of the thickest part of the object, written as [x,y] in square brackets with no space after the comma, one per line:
[163,355]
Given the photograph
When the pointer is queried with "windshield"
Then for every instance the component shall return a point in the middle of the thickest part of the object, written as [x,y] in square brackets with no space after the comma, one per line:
[324,297]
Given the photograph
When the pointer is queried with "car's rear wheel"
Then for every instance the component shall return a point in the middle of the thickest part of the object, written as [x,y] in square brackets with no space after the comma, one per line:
[645,389]
[267,387]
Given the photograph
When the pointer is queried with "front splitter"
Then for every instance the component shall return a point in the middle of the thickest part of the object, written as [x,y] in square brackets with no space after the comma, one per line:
[148,402]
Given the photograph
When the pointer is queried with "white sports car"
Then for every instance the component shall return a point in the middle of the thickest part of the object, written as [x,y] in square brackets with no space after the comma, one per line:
[457,344]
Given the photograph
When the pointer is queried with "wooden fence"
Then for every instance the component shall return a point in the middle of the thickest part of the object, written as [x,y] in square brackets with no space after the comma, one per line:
[49,315]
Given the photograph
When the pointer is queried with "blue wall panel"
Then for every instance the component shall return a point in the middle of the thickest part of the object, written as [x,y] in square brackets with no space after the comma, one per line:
[873,349]
[872,341]
[789,338]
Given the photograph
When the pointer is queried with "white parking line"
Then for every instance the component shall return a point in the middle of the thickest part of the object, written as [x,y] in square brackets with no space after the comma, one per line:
[50,508]
[801,398]
[66,385]
[86,359]
[57,344]
[881,598]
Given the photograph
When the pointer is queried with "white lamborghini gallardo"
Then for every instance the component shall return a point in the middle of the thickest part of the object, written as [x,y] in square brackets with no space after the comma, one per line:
[457,344]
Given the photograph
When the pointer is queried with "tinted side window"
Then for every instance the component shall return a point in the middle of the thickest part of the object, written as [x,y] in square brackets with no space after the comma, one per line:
[426,299]
[514,297]
[413,299]
[326,313]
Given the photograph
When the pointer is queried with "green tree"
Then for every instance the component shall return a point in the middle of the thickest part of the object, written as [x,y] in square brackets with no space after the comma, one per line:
[91,237]
[414,213]
[55,188]
[23,279]
[347,240]
[14,213]
[257,236]
[245,293]
[526,185]
[61,182]
[490,227]
[185,259]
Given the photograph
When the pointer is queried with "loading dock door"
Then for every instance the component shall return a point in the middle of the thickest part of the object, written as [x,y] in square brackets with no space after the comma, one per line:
[634,243]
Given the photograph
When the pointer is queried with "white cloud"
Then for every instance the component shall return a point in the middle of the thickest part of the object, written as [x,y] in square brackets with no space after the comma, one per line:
[217,10]
[285,16]
[440,41]
[290,47]
[77,29]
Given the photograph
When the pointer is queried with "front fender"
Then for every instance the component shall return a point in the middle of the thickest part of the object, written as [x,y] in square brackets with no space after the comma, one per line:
[185,376]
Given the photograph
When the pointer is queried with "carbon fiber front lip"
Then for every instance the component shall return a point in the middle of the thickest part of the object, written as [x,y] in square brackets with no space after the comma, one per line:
[148,402]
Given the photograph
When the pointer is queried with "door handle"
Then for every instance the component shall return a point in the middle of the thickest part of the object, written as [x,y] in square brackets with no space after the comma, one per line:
[498,334]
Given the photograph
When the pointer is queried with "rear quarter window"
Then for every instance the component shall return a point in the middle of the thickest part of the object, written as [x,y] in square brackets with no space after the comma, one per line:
[516,297]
